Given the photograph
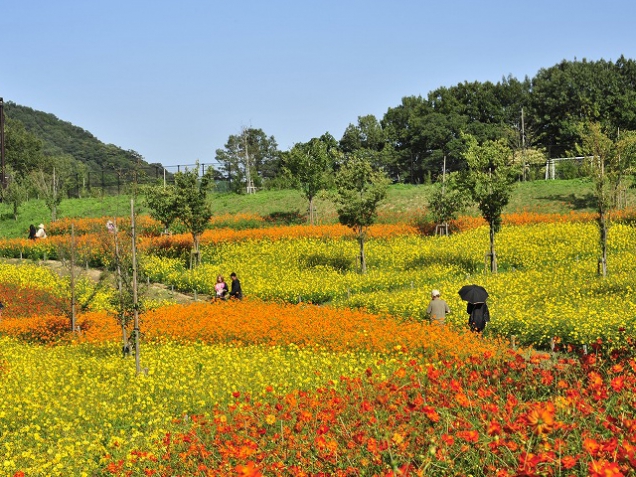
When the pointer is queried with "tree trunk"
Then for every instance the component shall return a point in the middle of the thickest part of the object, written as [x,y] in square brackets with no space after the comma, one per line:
[602,222]
[363,261]
[311,210]
[493,255]
[195,250]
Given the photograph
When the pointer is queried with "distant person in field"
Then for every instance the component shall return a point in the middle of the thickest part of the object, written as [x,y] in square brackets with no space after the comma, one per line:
[1,308]
[41,233]
[235,290]
[32,232]
[110,226]
[437,309]
[220,287]
[479,316]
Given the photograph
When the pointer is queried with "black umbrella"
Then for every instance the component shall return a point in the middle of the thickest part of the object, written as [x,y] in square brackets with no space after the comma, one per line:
[473,293]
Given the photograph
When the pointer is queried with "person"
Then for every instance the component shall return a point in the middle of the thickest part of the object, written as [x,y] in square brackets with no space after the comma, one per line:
[479,316]
[41,233]
[235,291]
[32,232]
[220,287]
[1,308]
[110,226]
[437,309]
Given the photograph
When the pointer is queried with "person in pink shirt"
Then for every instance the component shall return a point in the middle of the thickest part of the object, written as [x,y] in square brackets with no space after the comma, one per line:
[220,287]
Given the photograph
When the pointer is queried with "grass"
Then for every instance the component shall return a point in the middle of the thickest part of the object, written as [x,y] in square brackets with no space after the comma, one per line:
[556,196]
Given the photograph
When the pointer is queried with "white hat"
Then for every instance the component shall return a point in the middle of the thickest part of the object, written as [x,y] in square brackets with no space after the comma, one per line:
[435,293]
[41,226]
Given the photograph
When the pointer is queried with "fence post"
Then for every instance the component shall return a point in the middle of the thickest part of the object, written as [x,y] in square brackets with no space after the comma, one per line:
[513,341]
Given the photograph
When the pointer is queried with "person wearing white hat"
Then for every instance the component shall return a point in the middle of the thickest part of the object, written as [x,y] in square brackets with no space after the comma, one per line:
[437,309]
[41,233]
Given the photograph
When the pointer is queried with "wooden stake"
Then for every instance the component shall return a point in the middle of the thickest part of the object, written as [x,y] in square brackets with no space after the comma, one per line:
[134,286]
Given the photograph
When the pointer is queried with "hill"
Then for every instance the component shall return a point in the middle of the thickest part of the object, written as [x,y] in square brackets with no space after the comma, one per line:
[63,138]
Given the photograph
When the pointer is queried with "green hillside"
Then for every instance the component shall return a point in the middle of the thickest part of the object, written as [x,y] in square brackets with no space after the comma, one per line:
[403,201]
[61,138]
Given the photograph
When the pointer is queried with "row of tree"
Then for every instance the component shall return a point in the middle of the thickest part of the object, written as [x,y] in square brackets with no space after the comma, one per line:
[538,118]
[357,186]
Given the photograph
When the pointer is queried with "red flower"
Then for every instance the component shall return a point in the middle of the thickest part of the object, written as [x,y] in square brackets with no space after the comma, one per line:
[568,462]
[431,413]
[469,436]
[618,383]
[603,468]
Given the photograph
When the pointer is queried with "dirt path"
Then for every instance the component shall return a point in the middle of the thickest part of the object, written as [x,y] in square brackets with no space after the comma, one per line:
[156,291]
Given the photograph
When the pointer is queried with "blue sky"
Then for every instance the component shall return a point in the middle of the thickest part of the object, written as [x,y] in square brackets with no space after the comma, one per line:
[172,80]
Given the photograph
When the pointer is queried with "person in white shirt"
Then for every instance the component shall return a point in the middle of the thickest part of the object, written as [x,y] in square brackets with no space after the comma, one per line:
[41,233]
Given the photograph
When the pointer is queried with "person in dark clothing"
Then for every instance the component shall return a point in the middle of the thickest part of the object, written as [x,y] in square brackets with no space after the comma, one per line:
[478,316]
[235,290]
[32,232]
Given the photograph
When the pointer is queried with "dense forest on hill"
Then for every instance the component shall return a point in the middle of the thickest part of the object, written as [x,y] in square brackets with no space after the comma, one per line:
[94,160]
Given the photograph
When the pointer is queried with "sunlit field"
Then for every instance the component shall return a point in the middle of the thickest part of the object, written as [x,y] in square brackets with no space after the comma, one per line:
[321,370]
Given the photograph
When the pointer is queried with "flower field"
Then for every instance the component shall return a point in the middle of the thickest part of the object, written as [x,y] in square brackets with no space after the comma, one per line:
[547,286]
[321,371]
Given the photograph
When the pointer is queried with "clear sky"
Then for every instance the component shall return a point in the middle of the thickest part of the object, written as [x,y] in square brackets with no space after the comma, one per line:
[174,79]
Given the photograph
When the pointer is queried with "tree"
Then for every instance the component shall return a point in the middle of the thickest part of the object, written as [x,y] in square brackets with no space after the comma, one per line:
[446,200]
[162,200]
[249,157]
[23,149]
[15,193]
[359,190]
[608,162]
[310,166]
[488,180]
[48,187]
[192,204]
[572,92]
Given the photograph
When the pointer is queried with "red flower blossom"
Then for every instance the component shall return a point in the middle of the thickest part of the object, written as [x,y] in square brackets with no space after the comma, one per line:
[603,468]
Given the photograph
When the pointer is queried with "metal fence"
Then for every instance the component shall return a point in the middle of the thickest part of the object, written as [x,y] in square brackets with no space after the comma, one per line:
[110,181]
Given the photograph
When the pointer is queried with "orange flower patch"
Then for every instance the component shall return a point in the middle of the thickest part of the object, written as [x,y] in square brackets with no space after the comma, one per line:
[252,322]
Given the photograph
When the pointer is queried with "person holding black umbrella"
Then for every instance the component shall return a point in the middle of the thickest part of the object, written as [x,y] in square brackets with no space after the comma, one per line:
[477,309]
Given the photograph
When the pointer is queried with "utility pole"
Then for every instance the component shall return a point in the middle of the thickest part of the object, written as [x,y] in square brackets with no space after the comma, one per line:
[3,177]
[248,173]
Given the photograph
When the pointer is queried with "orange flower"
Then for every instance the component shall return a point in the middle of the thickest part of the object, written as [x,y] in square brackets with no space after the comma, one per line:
[591,446]
[541,417]
[248,470]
